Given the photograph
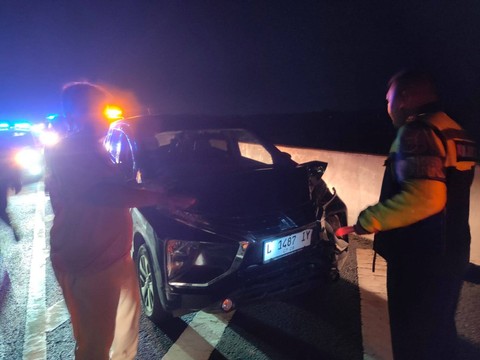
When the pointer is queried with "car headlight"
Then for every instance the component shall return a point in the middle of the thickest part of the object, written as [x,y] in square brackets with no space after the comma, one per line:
[30,160]
[193,263]
[49,137]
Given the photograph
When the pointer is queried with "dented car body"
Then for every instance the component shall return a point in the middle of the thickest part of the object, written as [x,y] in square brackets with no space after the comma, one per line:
[255,232]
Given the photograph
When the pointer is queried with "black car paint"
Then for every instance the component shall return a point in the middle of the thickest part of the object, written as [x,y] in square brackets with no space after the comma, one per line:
[218,217]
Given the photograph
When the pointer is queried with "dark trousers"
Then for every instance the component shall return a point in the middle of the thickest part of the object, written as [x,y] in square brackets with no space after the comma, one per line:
[3,202]
[422,300]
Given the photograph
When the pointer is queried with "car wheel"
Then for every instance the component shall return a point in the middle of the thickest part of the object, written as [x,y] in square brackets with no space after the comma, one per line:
[152,306]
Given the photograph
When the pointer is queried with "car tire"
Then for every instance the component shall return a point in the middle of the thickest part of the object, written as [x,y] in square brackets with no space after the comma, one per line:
[152,307]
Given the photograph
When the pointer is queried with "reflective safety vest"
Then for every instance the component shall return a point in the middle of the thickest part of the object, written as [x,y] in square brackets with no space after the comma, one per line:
[430,146]
[460,160]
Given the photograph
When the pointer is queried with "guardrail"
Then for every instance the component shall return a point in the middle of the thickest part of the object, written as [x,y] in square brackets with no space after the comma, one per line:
[358,178]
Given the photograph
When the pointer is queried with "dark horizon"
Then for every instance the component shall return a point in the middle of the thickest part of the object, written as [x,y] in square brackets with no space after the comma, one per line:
[237,58]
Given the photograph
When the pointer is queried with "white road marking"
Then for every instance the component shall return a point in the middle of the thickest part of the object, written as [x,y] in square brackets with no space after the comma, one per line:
[200,337]
[35,338]
[205,330]
[56,315]
[373,306]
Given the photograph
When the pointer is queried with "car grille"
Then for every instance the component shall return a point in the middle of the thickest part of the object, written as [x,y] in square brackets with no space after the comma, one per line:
[280,278]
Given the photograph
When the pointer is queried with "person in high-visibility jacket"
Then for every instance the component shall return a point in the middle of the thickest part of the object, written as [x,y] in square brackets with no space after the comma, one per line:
[421,220]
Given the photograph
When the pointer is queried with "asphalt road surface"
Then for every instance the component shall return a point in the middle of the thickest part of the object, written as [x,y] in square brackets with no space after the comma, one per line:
[341,321]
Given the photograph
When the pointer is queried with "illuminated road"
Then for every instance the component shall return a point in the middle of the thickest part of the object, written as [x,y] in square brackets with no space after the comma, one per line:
[343,321]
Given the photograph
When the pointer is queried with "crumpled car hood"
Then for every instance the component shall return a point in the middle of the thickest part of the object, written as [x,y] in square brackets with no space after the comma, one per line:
[246,204]
[248,193]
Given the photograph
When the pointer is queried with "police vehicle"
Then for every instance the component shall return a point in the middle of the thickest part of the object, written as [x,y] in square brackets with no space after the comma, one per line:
[21,150]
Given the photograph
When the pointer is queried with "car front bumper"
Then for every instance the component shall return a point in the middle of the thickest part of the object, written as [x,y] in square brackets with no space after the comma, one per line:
[285,277]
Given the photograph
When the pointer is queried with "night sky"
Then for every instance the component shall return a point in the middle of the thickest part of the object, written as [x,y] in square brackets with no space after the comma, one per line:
[234,57]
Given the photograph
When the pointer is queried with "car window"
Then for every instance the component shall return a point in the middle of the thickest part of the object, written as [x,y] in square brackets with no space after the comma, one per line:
[251,148]
[163,139]
[219,144]
[209,148]
[190,146]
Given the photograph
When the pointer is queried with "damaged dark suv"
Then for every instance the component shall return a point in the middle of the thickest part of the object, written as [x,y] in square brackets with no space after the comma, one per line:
[256,231]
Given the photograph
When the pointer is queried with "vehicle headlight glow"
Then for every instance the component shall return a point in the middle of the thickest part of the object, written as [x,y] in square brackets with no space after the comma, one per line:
[192,263]
[49,138]
[30,160]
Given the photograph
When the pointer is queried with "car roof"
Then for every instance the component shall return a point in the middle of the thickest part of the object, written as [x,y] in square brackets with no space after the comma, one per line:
[144,126]
[157,123]
[14,138]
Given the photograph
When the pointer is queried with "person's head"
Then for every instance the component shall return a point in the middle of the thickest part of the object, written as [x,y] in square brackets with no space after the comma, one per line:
[83,106]
[408,91]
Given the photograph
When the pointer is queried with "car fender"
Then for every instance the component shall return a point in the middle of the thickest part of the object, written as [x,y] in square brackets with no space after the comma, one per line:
[143,233]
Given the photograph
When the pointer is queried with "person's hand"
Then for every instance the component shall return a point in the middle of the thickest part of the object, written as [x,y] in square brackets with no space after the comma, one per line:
[359,230]
[166,186]
[179,202]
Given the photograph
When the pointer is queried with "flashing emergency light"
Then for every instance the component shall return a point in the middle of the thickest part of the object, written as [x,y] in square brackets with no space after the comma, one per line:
[113,112]
[16,126]
[52,117]
[22,126]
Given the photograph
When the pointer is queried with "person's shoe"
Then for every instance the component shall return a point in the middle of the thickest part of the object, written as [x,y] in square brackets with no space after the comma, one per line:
[4,282]
[16,235]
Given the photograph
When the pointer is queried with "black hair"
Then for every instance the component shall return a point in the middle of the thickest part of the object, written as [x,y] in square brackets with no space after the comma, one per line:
[412,80]
[82,97]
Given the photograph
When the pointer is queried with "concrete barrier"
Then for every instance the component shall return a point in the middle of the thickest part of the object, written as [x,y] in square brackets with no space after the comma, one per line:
[358,178]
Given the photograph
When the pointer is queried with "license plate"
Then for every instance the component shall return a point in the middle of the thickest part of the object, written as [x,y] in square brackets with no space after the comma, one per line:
[286,245]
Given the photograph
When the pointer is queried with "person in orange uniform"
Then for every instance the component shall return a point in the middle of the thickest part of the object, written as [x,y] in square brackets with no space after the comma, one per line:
[421,220]
[91,236]
[9,179]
